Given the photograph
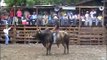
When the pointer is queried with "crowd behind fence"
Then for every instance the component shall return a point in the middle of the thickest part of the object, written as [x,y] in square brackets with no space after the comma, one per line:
[90,18]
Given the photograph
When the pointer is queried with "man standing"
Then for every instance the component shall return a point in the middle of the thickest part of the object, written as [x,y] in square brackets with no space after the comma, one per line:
[6,33]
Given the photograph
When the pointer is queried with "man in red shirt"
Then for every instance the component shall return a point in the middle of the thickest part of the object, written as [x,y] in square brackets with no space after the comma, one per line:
[11,15]
[19,15]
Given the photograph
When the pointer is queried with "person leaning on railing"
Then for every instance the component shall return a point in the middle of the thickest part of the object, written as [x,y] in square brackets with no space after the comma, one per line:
[100,19]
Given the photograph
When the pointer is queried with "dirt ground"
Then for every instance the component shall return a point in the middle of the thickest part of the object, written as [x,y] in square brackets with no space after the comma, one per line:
[37,52]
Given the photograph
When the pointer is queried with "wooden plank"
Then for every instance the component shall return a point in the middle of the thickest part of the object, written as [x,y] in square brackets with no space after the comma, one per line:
[82,35]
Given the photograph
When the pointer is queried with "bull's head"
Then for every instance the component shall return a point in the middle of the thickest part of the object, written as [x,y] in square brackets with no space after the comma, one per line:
[37,34]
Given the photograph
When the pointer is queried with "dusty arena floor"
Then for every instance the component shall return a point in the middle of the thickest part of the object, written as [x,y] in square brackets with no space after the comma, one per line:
[37,52]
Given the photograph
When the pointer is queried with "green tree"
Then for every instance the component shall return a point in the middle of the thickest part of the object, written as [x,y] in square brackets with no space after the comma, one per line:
[71,2]
[39,2]
[20,2]
[31,2]
[9,2]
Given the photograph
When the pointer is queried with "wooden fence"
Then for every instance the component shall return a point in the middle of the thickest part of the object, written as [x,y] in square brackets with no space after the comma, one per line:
[78,35]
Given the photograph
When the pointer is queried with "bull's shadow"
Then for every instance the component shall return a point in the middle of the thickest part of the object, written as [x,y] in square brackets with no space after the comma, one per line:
[54,54]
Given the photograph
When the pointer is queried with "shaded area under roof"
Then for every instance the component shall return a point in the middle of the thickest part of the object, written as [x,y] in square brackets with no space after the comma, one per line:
[91,2]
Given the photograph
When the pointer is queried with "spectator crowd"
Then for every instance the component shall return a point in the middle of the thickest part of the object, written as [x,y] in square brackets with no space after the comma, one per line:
[67,18]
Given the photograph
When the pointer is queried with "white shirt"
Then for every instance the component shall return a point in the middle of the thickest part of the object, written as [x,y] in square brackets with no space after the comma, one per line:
[55,17]
[34,16]
[75,16]
[86,15]
[6,31]
[92,13]
[82,18]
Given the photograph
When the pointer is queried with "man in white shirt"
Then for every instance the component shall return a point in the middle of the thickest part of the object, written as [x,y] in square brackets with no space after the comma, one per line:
[92,13]
[87,15]
[6,33]
[88,19]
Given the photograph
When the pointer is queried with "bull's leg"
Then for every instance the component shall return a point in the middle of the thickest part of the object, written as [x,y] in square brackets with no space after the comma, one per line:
[47,51]
[67,45]
[66,41]
[50,48]
[64,45]
[67,48]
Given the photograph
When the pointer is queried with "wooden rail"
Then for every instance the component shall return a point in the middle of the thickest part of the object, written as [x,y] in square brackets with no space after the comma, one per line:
[78,35]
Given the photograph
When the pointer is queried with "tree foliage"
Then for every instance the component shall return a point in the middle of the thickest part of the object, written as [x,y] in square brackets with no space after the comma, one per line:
[39,2]
[9,2]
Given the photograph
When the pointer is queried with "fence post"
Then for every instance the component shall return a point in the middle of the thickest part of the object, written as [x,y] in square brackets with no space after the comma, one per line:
[14,34]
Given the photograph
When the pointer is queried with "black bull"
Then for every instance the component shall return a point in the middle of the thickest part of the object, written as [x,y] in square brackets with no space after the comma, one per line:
[46,38]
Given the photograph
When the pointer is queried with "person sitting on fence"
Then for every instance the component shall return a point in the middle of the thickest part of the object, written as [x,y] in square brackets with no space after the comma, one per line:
[2,17]
[15,21]
[74,17]
[50,19]
[65,20]
[6,33]
[55,19]
[34,18]
[30,19]
[95,20]
[5,20]
[27,15]
[19,15]
[92,13]
[88,21]
[24,21]
[39,21]
[45,19]
[70,19]
[82,20]
[11,15]
[100,19]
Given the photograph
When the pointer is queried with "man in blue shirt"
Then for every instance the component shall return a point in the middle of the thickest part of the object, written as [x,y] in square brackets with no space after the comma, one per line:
[34,18]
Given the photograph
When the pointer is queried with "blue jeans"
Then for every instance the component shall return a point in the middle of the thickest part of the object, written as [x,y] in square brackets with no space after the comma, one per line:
[54,37]
[88,22]
[6,39]
[96,22]
[33,21]
[73,22]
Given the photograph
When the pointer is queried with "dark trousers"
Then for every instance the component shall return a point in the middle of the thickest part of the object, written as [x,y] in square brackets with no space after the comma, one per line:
[33,21]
